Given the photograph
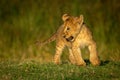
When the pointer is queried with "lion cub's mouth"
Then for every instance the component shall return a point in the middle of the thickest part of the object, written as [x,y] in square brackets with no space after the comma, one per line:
[70,39]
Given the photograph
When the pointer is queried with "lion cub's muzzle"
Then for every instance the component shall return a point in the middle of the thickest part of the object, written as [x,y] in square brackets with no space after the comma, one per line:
[69,39]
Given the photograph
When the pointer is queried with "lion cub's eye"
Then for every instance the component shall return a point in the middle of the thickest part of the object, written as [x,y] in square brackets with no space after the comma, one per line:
[68,28]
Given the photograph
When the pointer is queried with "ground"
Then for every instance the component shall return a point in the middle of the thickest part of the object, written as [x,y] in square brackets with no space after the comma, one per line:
[32,70]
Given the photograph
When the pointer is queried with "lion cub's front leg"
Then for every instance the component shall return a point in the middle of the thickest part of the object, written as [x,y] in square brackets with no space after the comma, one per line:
[71,57]
[78,57]
[93,54]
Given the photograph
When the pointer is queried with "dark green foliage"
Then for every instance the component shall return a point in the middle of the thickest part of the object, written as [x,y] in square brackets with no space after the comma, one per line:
[22,22]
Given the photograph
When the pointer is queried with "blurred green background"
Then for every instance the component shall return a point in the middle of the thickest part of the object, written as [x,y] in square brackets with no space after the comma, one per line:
[22,22]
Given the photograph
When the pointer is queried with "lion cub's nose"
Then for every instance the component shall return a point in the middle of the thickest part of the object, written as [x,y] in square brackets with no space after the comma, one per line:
[64,36]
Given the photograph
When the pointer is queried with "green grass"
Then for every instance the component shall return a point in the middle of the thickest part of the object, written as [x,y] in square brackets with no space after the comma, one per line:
[31,70]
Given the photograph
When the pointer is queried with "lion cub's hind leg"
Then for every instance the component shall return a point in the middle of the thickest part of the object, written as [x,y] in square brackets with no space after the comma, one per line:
[59,49]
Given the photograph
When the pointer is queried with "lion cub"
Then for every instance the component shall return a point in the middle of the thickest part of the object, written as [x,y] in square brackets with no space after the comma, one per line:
[74,34]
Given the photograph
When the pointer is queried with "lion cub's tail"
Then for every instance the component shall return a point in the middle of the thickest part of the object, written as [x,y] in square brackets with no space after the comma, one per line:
[52,38]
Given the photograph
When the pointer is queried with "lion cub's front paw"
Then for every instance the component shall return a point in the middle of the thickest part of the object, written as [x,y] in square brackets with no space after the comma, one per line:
[95,62]
[57,61]
[81,64]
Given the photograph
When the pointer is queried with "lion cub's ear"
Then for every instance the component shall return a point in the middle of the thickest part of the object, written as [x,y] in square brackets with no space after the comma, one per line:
[65,17]
[81,19]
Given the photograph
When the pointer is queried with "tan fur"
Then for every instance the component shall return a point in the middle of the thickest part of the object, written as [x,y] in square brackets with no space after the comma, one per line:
[74,34]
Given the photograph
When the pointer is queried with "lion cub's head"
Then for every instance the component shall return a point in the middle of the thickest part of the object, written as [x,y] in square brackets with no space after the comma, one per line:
[72,26]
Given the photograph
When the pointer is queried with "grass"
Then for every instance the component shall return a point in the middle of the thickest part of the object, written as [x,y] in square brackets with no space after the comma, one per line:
[32,70]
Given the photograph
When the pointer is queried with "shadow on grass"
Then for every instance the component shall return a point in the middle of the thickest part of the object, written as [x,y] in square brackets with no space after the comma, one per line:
[103,63]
